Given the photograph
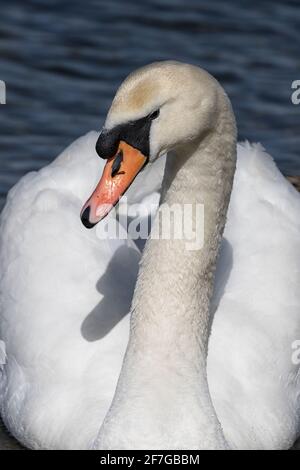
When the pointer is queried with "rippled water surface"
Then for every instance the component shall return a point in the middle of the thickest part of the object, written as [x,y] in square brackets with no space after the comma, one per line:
[63,60]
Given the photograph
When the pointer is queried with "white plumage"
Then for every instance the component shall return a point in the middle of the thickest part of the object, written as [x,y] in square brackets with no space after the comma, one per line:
[64,304]
[254,384]
[63,299]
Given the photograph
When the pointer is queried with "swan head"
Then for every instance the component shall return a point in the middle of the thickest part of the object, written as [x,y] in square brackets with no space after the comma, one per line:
[156,109]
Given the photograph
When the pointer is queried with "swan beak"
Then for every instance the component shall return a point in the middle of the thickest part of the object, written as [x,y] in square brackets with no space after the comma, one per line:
[118,174]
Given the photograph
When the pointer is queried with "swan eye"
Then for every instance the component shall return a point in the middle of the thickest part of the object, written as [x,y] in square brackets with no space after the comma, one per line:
[154,115]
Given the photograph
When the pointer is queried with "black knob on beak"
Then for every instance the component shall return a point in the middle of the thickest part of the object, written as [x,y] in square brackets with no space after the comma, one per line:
[108,143]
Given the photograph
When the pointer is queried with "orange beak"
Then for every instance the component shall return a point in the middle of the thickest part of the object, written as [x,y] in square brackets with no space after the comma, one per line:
[118,174]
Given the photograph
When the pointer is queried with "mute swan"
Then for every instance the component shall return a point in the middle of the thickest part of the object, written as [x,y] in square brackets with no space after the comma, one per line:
[61,369]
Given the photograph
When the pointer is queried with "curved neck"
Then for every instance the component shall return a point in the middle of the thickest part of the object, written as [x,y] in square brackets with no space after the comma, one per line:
[163,381]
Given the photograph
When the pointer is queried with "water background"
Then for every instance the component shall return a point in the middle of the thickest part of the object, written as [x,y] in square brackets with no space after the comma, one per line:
[63,60]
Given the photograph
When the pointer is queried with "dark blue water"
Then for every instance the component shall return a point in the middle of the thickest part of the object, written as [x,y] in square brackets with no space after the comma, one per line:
[62,61]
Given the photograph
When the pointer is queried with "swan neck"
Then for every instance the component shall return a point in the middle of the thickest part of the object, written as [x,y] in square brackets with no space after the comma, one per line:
[176,278]
[163,380]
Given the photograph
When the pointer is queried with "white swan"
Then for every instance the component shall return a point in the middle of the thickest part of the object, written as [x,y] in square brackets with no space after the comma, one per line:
[63,353]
